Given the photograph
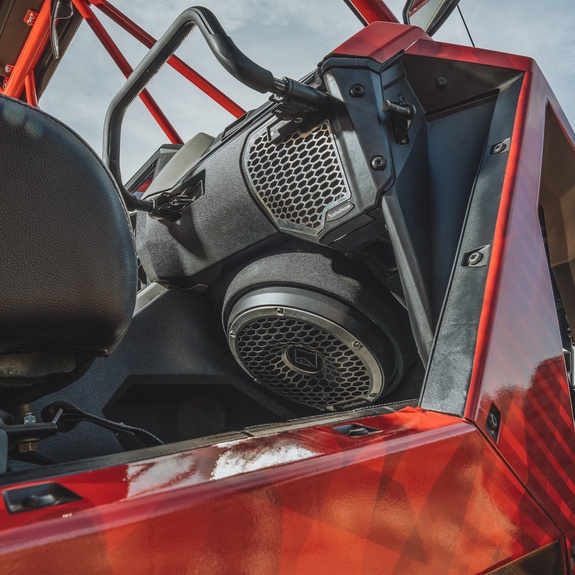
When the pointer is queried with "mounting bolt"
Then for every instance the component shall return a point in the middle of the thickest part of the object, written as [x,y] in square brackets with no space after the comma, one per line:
[298,120]
[357,91]
[24,409]
[501,147]
[232,333]
[378,163]
[475,258]
[357,345]
[441,82]
[491,422]
[8,68]
[280,311]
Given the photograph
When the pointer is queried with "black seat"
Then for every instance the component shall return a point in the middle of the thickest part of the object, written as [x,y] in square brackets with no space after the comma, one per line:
[67,260]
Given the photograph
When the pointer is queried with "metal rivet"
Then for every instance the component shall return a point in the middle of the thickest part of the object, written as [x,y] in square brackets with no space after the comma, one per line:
[441,82]
[378,163]
[280,311]
[500,147]
[357,345]
[232,334]
[357,91]
[475,258]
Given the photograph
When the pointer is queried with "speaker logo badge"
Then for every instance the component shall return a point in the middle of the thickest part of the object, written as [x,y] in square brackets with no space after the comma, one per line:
[303,360]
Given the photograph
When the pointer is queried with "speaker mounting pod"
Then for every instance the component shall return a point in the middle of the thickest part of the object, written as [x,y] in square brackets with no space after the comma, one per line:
[308,347]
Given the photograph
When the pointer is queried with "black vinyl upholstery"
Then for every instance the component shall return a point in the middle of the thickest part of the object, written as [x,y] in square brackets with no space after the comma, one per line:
[67,259]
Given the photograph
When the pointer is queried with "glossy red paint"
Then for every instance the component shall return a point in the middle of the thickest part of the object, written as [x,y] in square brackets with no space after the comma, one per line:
[426,492]
[381,41]
[373,11]
[519,363]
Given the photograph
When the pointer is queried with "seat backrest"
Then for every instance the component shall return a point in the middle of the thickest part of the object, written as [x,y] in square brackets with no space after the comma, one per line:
[68,268]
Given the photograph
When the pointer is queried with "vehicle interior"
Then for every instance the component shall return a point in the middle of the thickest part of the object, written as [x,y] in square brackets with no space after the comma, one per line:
[291,270]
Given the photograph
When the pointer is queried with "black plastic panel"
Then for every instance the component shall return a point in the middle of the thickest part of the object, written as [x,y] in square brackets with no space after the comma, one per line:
[449,372]
[176,340]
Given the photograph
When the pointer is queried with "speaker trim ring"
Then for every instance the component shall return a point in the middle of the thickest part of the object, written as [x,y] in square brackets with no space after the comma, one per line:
[270,302]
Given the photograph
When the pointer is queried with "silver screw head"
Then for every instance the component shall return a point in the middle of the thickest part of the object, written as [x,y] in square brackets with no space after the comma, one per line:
[280,311]
[475,258]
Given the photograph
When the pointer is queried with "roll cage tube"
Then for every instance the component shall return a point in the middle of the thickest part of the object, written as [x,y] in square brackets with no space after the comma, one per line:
[229,56]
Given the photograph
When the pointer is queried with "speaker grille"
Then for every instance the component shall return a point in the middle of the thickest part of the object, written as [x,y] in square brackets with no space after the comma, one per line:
[297,179]
[321,366]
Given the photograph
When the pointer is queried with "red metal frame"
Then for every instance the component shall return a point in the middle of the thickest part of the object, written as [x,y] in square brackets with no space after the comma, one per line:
[30,85]
[21,75]
[370,10]
[373,11]
[84,8]
[189,73]
[33,48]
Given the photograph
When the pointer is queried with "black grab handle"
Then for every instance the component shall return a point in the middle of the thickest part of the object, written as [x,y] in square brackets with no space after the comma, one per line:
[229,56]
[227,53]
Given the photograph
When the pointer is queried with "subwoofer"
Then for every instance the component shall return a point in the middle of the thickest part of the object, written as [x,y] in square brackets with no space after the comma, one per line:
[311,335]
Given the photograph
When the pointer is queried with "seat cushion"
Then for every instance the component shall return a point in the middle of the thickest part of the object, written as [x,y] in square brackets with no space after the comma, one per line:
[67,260]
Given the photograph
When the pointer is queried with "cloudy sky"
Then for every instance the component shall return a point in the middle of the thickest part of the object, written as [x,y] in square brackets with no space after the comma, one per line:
[289,38]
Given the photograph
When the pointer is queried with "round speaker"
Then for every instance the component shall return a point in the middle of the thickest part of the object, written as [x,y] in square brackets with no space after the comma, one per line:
[309,347]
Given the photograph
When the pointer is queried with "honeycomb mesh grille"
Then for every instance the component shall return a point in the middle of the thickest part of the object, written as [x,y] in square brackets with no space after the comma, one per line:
[261,344]
[297,179]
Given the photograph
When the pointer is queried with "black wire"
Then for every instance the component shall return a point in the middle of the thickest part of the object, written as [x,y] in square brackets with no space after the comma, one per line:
[70,415]
[465,24]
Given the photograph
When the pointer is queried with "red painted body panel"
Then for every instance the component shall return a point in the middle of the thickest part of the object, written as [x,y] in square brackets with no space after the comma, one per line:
[381,41]
[373,11]
[519,362]
[428,492]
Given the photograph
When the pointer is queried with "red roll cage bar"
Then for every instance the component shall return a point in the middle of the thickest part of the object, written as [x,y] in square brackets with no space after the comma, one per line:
[21,79]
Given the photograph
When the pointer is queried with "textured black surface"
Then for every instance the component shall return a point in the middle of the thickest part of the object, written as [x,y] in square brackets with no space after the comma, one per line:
[451,363]
[176,341]
[67,265]
[217,229]
[347,281]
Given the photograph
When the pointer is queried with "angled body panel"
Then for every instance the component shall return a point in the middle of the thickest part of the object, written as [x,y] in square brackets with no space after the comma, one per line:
[424,491]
